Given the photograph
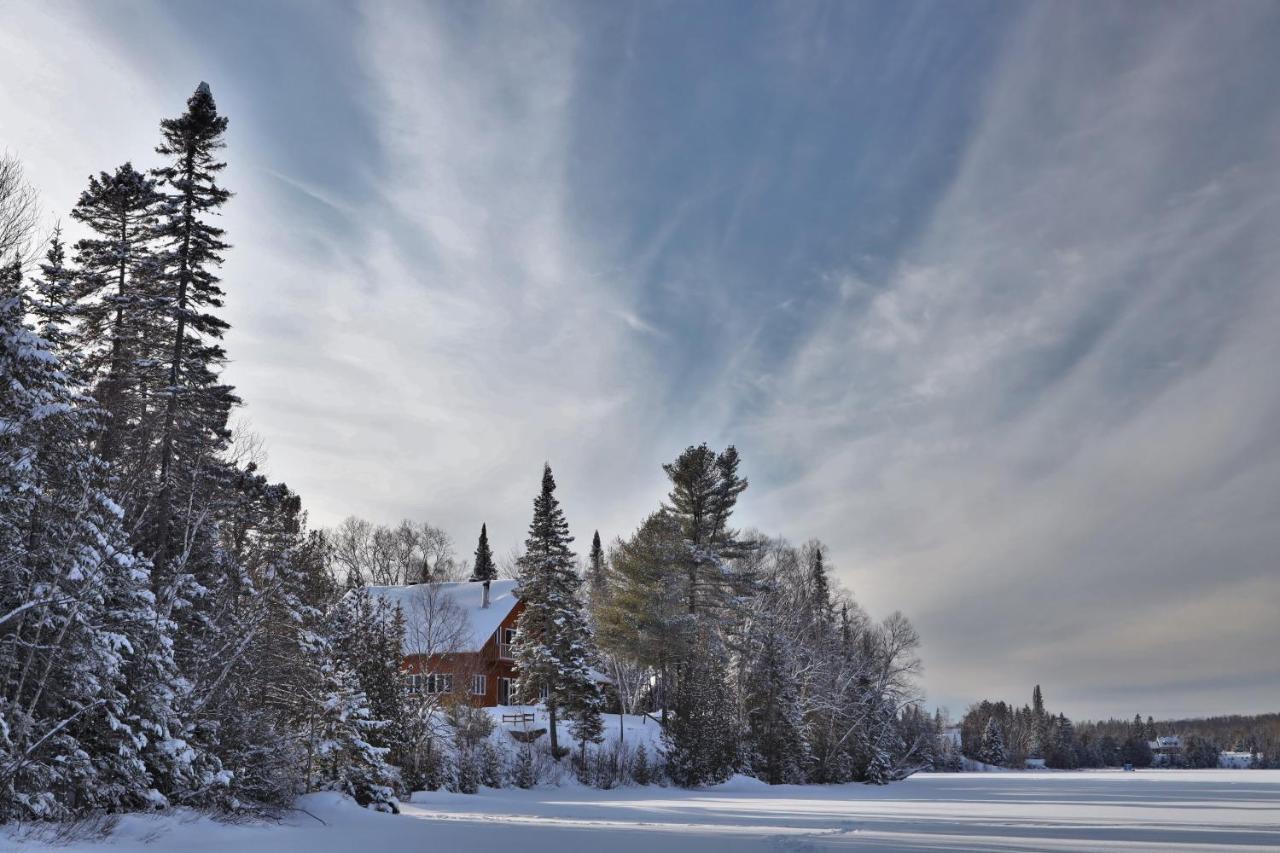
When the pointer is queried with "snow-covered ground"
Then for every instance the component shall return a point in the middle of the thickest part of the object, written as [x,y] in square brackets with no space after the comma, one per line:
[1149,810]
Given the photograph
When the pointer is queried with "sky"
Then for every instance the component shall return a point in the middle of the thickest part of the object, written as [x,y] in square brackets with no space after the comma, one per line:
[985,294]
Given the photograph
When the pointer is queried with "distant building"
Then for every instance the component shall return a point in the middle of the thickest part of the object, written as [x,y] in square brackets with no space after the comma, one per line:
[1165,750]
[1236,760]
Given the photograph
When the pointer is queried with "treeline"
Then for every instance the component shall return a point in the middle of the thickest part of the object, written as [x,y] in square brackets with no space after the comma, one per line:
[1001,734]
[739,646]
[1202,738]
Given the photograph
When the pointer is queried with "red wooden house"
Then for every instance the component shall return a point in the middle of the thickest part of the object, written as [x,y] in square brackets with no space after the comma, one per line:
[458,637]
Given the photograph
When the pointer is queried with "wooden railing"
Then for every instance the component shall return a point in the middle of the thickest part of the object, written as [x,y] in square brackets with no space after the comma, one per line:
[524,718]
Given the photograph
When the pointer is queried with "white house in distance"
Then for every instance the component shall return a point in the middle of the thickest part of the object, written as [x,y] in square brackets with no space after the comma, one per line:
[1237,760]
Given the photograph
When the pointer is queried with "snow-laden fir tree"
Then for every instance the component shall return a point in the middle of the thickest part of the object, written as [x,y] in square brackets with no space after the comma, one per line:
[368,640]
[54,305]
[484,568]
[777,750]
[553,649]
[341,728]
[86,687]
[700,739]
[992,748]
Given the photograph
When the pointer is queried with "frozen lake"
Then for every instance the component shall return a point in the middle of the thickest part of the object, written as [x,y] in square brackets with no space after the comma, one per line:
[1086,811]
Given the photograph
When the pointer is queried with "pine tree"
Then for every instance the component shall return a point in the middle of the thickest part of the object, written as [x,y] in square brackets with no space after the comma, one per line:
[992,749]
[83,715]
[819,589]
[54,305]
[196,405]
[118,310]
[553,648]
[641,772]
[704,490]
[596,579]
[484,568]
[701,737]
[778,752]
[368,640]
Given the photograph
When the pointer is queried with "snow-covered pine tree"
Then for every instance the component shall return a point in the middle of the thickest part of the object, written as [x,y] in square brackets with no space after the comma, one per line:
[776,747]
[553,649]
[484,568]
[54,304]
[641,771]
[82,710]
[368,639]
[700,738]
[704,490]
[340,728]
[818,603]
[992,749]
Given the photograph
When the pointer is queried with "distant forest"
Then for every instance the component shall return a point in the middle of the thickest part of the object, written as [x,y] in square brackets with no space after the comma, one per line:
[1005,735]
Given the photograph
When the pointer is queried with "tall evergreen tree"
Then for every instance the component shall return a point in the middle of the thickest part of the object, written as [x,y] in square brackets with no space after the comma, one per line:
[777,747]
[595,567]
[484,568]
[196,405]
[118,309]
[704,490]
[553,650]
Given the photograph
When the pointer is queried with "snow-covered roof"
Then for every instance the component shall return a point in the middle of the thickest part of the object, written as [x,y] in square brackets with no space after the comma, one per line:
[432,612]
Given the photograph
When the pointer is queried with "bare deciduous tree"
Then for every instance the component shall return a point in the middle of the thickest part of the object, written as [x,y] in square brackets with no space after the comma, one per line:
[364,553]
[19,213]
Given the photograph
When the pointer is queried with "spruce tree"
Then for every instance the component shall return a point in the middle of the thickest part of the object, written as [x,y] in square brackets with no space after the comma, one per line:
[54,305]
[701,738]
[196,405]
[777,749]
[992,749]
[118,311]
[484,568]
[85,700]
[596,579]
[553,649]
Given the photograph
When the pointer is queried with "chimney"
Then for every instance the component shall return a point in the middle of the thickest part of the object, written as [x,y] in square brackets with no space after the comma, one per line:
[484,602]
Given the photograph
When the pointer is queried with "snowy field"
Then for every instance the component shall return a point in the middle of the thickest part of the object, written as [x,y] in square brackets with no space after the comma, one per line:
[1148,810]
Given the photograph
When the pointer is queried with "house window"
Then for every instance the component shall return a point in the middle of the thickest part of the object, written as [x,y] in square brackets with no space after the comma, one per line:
[431,682]
[505,687]
[506,639]
[478,684]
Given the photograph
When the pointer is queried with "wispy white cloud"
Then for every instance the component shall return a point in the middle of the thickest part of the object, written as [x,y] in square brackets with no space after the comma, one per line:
[1044,427]
[1043,424]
